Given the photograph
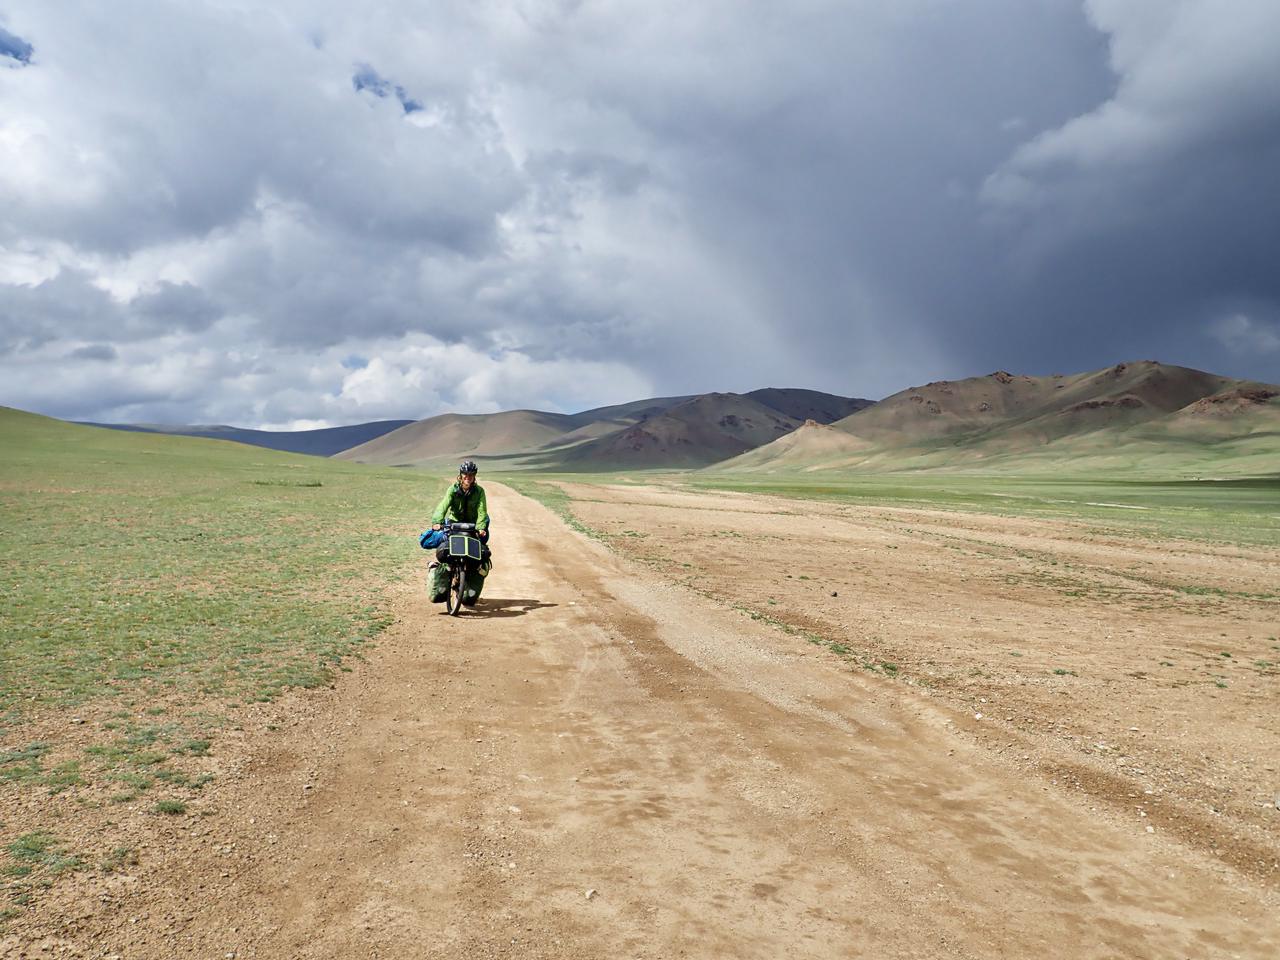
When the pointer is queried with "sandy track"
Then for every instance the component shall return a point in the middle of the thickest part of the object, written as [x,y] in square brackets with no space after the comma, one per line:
[722,790]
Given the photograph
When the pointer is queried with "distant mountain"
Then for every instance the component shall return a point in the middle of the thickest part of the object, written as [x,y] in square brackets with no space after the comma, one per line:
[324,442]
[808,404]
[452,436]
[510,434]
[642,434]
[1093,420]
[697,432]
[1140,418]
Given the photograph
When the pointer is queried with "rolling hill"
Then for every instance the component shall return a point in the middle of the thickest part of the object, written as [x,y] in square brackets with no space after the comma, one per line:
[1132,416]
[644,434]
[697,432]
[324,442]
[811,447]
[1040,407]
[452,436]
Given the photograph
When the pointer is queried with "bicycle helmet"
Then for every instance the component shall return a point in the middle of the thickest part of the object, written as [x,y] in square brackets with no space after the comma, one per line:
[468,466]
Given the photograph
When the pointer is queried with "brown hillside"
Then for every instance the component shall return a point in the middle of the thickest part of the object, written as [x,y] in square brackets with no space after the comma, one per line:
[1033,409]
[454,435]
[813,446]
[1247,410]
[1240,401]
[700,431]
[1139,412]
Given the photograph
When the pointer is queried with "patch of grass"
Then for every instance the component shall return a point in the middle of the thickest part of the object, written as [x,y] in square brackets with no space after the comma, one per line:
[22,764]
[131,778]
[62,777]
[1060,672]
[180,778]
[39,852]
[170,807]
[118,860]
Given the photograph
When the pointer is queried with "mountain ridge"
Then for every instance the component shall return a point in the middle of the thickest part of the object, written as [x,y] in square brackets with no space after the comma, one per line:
[1145,409]
[658,432]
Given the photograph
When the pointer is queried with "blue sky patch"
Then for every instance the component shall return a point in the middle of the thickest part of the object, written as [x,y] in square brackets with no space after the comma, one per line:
[367,78]
[15,48]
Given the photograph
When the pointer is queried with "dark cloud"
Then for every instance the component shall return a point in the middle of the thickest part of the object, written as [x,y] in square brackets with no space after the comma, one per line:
[95,351]
[843,194]
[70,306]
[1142,224]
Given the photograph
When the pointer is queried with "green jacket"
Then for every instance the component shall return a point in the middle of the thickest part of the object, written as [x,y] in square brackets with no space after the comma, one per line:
[463,507]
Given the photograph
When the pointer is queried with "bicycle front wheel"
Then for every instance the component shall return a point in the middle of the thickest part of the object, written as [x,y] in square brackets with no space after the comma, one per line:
[457,587]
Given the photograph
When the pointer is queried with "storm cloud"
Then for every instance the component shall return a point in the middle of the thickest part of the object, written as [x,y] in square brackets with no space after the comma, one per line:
[324,215]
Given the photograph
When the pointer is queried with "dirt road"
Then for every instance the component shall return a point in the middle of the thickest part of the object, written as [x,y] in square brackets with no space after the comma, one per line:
[601,764]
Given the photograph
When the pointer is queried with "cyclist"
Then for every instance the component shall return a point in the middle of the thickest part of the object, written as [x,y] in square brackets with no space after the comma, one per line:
[463,502]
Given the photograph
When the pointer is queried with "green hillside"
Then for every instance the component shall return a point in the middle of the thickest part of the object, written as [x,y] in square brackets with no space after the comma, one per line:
[162,581]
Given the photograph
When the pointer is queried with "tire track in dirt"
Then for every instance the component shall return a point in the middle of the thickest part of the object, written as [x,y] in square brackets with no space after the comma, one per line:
[719,791]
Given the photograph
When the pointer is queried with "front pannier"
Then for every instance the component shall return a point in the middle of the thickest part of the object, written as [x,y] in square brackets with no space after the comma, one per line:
[438,581]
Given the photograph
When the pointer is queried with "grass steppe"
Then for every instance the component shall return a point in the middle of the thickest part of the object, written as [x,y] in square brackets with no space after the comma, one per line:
[1235,511]
[157,590]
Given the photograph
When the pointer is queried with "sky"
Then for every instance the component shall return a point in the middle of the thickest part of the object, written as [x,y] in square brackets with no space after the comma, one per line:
[297,214]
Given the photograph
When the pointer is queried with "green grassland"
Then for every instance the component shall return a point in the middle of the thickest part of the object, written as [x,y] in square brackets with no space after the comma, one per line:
[1239,511]
[1245,511]
[163,582]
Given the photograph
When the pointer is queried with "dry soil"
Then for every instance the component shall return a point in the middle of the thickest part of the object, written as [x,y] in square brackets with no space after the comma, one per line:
[750,727]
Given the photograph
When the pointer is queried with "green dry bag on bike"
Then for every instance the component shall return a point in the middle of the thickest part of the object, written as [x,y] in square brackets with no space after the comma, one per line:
[438,583]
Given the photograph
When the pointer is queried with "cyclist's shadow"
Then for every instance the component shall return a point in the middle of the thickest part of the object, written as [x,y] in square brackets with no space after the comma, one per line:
[497,609]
